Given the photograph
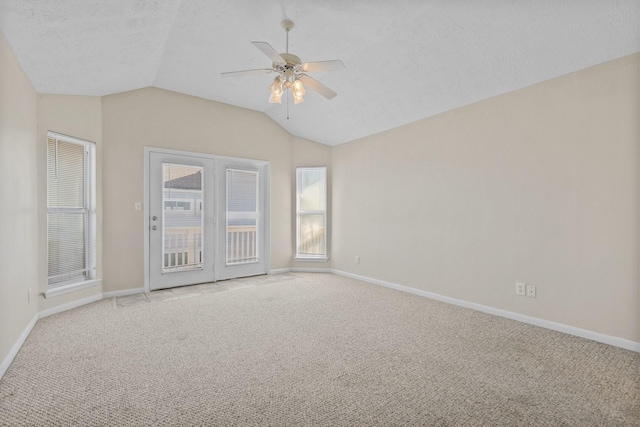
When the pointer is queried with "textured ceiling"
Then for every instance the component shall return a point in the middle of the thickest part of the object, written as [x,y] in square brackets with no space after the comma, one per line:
[405,59]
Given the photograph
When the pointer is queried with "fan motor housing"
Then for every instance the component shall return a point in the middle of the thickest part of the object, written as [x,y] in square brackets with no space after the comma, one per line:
[292,60]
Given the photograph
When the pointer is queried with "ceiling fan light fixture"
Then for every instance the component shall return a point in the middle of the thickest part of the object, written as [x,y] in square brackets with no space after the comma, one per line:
[297,88]
[275,98]
[276,86]
[297,99]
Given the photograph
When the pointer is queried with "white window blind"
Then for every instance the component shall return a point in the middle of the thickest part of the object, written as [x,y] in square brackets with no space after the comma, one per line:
[242,216]
[311,206]
[70,209]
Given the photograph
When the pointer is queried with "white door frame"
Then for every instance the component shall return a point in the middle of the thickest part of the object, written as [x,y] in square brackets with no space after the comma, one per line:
[218,160]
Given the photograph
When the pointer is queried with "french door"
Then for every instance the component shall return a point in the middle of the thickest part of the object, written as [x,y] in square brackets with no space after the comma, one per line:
[241,228]
[206,217]
[181,222]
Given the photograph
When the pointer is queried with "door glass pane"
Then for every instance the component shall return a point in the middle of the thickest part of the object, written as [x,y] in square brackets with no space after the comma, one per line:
[242,216]
[182,217]
[312,241]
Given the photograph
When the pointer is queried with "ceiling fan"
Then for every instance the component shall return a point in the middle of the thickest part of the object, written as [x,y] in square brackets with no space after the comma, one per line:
[291,72]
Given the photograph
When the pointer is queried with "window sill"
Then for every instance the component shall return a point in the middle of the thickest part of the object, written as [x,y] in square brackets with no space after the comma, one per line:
[71,287]
[311,259]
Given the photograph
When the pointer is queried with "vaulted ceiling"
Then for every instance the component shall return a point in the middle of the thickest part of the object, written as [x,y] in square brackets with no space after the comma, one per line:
[405,59]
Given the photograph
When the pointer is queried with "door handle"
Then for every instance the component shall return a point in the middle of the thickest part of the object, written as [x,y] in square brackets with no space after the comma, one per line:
[154,227]
[154,218]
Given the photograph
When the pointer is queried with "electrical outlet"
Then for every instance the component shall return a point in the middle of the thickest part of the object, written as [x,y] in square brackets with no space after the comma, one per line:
[531,291]
[357,259]
[520,288]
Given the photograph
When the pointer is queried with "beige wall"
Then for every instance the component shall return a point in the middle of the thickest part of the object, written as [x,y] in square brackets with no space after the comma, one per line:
[311,154]
[19,258]
[539,185]
[159,118]
[80,117]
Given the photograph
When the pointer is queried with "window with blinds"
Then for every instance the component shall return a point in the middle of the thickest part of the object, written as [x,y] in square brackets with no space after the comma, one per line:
[311,207]
[70,210]
[242,216]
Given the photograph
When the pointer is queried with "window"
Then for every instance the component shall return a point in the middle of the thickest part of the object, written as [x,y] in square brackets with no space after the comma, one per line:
[71,215]
[311,206]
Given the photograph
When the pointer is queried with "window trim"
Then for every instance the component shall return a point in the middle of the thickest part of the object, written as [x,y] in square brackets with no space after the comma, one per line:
[55,291]
[90,278]
[307,257]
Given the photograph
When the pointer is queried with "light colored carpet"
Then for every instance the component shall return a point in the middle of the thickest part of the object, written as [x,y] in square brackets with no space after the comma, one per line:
[309,349]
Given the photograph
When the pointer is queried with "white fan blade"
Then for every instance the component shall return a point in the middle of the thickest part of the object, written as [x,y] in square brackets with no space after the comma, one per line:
[317,66]
[270,52]
[316,86]
[247,72]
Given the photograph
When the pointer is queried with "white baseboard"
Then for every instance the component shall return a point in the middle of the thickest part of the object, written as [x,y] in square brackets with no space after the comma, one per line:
[126,292]
[16,346]
[280,271]
[560,327]
[312,270]
[88,300]
[69,306]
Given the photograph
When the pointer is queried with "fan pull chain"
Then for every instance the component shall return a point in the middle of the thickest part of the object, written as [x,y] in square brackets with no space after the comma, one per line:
[287,46]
